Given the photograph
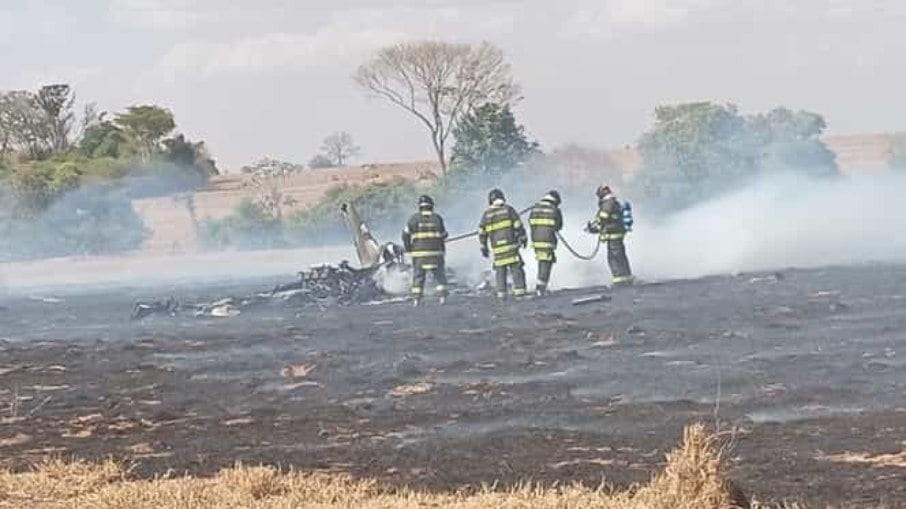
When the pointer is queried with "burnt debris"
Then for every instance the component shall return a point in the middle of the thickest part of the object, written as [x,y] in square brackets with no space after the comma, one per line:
[323,285]
[159,307]
[340,284]
[343,284]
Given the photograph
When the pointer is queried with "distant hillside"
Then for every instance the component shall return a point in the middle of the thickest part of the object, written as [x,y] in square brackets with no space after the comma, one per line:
[862,152]
[173,227]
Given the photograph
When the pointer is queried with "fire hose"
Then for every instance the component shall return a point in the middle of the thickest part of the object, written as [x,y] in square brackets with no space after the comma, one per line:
[559,236]
[576,254]
[475,233]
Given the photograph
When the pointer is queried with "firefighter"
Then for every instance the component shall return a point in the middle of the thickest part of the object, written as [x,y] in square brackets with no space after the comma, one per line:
[610,226]
[545,221]
[424,239]
[501,227]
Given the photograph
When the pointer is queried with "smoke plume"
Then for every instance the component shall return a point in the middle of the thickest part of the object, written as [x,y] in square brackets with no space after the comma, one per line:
[779,221]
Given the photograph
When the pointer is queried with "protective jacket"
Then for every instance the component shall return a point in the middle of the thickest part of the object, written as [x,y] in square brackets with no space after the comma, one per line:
[501,227]
[609,220]
[424,238]
[611,228]
[545,221]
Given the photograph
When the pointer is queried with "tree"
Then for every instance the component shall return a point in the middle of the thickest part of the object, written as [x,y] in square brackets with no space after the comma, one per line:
[187,155]
[694,151]
[269,195]
[320,161]
[147,125]
[24,125]
[6,133]
[791,141]
[489,141]
[56,101]
[698,150]
[339,148]
[439,83]
[103,138]
[90,116]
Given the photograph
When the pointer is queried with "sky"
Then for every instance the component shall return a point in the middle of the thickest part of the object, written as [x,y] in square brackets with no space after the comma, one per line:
[258,78]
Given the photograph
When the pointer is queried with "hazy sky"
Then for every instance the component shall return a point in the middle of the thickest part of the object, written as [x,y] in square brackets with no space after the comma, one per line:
[272,77]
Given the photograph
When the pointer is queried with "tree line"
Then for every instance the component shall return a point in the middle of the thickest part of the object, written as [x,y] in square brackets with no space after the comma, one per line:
[464,93]
[67,176]
[465,97]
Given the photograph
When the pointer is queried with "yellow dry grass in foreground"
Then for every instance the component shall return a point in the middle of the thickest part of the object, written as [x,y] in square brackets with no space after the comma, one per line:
[693,479]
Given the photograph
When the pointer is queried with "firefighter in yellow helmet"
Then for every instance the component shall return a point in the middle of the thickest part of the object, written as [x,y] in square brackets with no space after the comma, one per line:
[424,239]
[610,226]
[545,221]
[501,227]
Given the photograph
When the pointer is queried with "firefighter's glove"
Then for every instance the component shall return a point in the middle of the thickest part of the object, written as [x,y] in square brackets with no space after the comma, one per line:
[592,227]
[485,252]
[523,242]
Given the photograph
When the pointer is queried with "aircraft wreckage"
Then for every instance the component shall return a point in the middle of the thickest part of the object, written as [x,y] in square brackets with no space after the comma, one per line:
[327,284]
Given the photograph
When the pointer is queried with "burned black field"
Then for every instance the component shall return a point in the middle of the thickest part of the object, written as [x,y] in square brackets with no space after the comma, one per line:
[803,371]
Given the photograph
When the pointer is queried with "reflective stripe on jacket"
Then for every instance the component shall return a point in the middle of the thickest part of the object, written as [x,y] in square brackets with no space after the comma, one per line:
[501,230]
[425,235]
[545,221]
[610,219]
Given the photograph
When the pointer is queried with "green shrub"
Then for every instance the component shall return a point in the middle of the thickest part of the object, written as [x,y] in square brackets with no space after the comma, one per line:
[384,205]
[84,221]
[251,226]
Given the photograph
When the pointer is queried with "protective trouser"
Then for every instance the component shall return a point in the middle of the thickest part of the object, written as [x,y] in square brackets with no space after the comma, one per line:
[518,273]
[421,268]
[544,274]
[545,221]
[619,263]
[544,253]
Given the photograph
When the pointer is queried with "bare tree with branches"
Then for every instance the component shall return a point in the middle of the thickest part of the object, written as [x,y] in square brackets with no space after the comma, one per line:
[439,83]
[339,148]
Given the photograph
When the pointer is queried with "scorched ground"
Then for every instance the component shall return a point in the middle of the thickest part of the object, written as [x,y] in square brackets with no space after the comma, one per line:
[803,370]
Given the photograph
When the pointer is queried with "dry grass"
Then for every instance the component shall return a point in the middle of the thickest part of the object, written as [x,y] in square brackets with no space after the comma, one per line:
[693,479]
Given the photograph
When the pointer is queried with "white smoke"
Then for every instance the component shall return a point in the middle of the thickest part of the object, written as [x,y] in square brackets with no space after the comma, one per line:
[780,221]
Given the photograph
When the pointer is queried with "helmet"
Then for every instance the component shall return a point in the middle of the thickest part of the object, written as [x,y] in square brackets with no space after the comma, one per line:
[603,191]
[425,202]
[553,196]
[494,195]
